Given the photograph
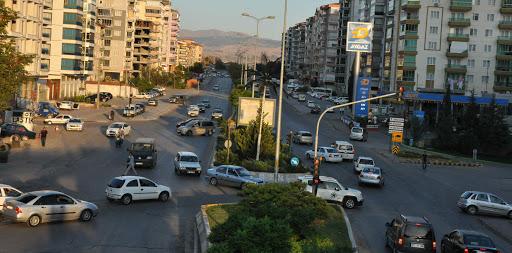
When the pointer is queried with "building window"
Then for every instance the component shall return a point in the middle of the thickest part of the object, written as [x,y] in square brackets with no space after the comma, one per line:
[106,43]
[128,44]
[106,53]
[486,63]
[472,47]
[118,13]
[473,32]
[105,63]
[70,64]
[471,63]
[485,79]
[432,45]
[117,22]
[434,14]
[492,2]
[71,34]
[475,16]
[72,19]
[431,60]
[108,33]
[117,33]
[128,54]
[487,48]
[434,29]
[73,4]
[71,49]
[476,2]
[469,78]
[431,76]
[490,17]
[488,32]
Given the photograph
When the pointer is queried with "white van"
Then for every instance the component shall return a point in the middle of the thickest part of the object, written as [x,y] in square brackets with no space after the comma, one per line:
[129,111]
[345,148]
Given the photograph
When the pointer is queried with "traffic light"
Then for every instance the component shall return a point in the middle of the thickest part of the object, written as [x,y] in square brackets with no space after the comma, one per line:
[401,93]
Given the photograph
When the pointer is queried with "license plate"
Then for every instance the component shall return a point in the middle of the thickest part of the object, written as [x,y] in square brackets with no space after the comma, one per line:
[417,245]
[9,207]
[191,171]
[138,163]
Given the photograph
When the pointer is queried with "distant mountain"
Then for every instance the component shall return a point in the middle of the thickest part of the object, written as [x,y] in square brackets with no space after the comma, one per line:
[228,45]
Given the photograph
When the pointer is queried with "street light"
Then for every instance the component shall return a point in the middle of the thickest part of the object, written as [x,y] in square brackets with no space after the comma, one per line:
[258,20]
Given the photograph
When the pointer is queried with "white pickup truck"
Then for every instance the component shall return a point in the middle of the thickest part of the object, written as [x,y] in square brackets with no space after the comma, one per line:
[330,189]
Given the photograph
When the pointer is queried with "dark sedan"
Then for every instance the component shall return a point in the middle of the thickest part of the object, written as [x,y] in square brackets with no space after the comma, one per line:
[12,129]
[315,110]
[467,241]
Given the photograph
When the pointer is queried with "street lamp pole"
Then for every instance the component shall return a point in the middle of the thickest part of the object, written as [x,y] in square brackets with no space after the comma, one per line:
[316,162]
[280,99]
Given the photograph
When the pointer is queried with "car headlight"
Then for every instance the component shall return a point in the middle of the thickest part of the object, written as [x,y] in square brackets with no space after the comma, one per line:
[149,157]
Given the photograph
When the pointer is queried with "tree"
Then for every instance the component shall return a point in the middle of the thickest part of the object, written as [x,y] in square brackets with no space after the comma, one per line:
[219,64]
[246,140]
[493,132]
[444,127]
[469,127]
[12,63]
[197,68]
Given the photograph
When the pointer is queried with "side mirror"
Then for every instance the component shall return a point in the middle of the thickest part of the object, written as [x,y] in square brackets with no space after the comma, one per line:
[346,188]
[388,224]
[337,189]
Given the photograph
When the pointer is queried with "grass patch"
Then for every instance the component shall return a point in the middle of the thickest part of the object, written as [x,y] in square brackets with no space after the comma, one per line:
[218,214]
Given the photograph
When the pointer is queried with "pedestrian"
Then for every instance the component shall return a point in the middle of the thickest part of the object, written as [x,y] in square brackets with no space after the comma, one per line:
[424,160]
[118,139]
[121,135]
[112,115]
[43,135]
[130,165]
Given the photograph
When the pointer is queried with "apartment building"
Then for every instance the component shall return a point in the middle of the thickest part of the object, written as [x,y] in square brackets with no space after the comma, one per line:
[295,50]
[175,29]
[189,52]
[26,32]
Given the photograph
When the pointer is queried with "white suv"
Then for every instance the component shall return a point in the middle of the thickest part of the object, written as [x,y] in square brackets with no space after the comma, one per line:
[187,163]
[331,190]
[363,162]
[129,188]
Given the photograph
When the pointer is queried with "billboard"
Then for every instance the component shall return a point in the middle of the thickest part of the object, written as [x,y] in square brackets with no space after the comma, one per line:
[359,37]
[362,92]
[248,110]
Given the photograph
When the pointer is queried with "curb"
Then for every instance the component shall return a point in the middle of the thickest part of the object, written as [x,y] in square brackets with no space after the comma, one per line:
[349,229]
[442,163]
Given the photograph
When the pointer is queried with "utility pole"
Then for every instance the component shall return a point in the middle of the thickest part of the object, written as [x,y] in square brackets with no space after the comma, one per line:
[98,76]
[258,147]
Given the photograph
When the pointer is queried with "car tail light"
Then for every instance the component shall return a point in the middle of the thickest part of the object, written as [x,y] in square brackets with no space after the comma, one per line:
[434,246]
[18,210]
[466,250]
[401,241]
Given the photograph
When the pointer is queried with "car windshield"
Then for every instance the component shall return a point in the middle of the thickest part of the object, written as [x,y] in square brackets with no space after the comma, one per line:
[373,170]
[116,183]
[357,130]
[366,161]
[217,110]
[116,126]
[346,147]
[242,172]
[306,134]
[330,150]
[478,240]
[142,147]
[205,102]
[25,198]
[191,159]
[418,231]
[466,195]
[75,121]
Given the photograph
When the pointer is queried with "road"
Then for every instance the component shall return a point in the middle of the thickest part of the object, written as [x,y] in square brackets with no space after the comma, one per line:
[408,190]
[81,164]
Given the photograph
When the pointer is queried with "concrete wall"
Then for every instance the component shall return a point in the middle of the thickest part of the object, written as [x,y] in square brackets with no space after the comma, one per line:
[117,89]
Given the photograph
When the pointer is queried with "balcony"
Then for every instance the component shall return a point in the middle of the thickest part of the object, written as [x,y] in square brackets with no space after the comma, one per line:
[411,5]
[506,7]
[44,67]
[409,35]
[504,40]
[456,68]
[502,87]
[408,50]
[505,25]
[504,55]
[458,37]
[409,20]
[410,66]
[457,54]
[406,82]
[503,71]
[459,22]
[461,5]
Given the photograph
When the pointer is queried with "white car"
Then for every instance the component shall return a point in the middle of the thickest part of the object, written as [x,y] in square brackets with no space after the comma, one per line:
[8,192]
[331,190]
[193,111]
[187,163]
[216,87]
[115,127]
[371,175]
[340,100]
[67,105]
[358,133]
[129,188]
[75,124]
[345,148]
[327,154]
[311,104]
[59,119]
[142,95]
[217,113]
[362,162]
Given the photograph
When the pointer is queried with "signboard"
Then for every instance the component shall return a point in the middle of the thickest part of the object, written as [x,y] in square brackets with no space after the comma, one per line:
[420,115]
[359,37]
[396,125]
[397,137]
[248,110]
[228,143]
[362,92]
[294,161]
[395,150]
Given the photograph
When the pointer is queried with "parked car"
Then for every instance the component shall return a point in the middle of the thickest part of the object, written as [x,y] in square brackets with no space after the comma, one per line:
[371,175]
[345,148]
[47,110]
[362,162]
[216,87]
[75,124]
[141,109]
[59,119]
[67,105]
[231,175]
[142,95]
[331,190]
[303,137]
[467,241]
[340,100]
[199,127]
[184,122]
[104,97]
[475,202]
[39,207]
[327,154]
[358,133]
[316,110]
[217,113]
[115,127]
[193,111]
[410,234]
[128,188]
[8,192]
[202,108]
[311,104]
[206,103]
[16,130]
[177,99]
[187,163]
[152,102]
[144,152]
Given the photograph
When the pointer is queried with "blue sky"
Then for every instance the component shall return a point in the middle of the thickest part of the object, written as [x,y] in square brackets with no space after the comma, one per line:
[226,14]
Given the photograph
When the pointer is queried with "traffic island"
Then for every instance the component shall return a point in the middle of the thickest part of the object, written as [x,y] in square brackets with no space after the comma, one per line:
[274,218]
[406,155]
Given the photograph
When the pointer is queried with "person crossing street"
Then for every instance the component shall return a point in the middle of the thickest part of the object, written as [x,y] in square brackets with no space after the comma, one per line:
[424,160]
[130,165]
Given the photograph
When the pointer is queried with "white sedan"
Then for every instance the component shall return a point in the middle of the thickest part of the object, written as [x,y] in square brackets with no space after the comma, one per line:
[66,105]
[363,162]
[8,192]
[115,127]
[327,154]
[59,119]
[75,124]
[193,111]
[142,95]
[311,104]
[129,188]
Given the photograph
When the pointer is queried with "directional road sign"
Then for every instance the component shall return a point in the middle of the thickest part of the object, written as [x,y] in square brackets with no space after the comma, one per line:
[395,150]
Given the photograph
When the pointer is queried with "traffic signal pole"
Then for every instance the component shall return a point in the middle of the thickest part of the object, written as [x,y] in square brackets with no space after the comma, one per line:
[316,175]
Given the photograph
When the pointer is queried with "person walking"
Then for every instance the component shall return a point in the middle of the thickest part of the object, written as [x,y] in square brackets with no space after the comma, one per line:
[121,136]
[43,135]
[118,139]
[130,165]
[424,160]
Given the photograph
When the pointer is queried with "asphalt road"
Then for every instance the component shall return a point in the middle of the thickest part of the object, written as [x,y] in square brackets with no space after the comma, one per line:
[81,164]
[408,190]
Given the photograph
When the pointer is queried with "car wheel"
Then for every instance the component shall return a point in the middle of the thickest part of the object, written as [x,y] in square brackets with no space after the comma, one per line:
[86,215]
[126,199]
[176,172]
[189,133]
[472,210]
[34,221]
[213,181]
[164,196]
[349,203]
[509,215]
[308,156]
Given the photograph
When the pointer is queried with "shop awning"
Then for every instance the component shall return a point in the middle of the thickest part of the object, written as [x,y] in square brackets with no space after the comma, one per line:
[438,97]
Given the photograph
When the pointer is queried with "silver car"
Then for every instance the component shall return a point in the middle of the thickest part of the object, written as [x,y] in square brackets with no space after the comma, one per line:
[37,207]
[474,202]
[187,163]
[303,137]
[231,175]
[371,175]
